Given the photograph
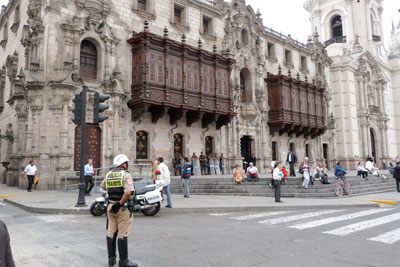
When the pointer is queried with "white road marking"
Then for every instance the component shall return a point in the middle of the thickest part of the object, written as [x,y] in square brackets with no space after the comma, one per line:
[316,223]
[388,238]
[355,227]
[2,204]
[259,215]
[219,214]
[56,218]
[298,217]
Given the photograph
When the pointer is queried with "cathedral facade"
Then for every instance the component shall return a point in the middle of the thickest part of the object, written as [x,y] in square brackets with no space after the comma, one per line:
[197,76]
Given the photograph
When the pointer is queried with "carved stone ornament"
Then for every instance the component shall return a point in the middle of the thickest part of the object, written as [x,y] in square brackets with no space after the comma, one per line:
[98,9]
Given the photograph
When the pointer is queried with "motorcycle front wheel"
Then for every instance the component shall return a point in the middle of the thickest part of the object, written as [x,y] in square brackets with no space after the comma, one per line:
[97,209]
[152,211]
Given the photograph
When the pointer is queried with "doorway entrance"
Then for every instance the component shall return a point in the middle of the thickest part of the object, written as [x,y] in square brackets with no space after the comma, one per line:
[325,154]
[373,147]
[245,150]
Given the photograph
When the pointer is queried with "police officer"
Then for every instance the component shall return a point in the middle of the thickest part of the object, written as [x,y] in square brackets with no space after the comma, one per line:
[120,188]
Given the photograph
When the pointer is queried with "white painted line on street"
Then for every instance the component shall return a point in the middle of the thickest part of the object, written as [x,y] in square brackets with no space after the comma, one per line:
[316,223]
[388,238]
[219,214]
[2,204]
[259,215]
[355,227]
[298,217]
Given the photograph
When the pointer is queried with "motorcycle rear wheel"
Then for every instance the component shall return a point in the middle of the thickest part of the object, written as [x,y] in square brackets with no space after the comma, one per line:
[97,209]
[152,211]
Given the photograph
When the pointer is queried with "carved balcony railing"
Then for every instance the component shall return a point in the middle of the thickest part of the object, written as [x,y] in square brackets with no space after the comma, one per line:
[173,78]
[339,39]
[296,107]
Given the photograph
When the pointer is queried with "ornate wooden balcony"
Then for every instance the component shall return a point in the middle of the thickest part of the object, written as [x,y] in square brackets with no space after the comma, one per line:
[296,107]
[175,79]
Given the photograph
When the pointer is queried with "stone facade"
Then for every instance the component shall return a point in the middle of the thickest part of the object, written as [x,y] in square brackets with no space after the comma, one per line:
[40,73]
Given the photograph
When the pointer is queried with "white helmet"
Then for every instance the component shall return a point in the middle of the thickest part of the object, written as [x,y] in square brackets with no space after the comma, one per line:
[119,160]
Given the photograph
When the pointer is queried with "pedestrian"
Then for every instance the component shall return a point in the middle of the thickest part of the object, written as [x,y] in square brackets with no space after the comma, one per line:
[89,171]
[121,189]
[166,176]
[222,163]
[203,163]
[363,172]
[305,171]
[154,174]
[292,159]
[6,257]
[396,176]
[277,174]
[253,159]
[30,172]
[186,177]
[284,172]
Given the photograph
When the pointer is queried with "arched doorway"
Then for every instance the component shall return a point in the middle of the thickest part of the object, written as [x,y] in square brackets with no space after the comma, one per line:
[373,144]
[245,150]
[178,144]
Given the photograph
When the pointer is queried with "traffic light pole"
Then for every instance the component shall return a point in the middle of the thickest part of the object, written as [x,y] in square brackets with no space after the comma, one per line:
[82,186]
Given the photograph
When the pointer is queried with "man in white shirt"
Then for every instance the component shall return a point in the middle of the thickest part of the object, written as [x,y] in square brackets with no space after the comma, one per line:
[30,173]
[252,172]
[89,171]
[165,175]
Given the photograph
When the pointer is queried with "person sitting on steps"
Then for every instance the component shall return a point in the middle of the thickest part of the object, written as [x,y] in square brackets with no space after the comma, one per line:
[363,172]
[320,174]
[339,171]
[252,172]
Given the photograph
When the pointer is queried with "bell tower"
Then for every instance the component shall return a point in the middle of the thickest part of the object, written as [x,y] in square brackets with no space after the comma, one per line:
[347,22]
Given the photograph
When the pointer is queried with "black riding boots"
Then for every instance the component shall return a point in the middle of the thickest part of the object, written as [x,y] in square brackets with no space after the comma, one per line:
[111,248]
[123,253]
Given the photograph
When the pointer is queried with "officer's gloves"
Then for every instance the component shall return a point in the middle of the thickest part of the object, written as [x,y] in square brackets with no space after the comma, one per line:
[115,208]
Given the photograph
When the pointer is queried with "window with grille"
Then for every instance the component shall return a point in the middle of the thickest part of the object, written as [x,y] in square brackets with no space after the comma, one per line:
[206,25]
[142,5]
[178,14]
[336,27]
[141,145]
[88,60]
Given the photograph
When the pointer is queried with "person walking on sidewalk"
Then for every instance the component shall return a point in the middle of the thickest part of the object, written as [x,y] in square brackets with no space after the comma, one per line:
[30,172]
[6,257]
[186,171]
[305,171]
[396,176]
[277,175]
[292,159]
[120,189]
[166,176]
[89,171]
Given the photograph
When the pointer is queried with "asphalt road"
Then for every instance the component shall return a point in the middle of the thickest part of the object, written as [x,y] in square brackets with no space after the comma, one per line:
[295,238]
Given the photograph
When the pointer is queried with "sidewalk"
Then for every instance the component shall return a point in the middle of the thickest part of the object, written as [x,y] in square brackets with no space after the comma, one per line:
[60,202]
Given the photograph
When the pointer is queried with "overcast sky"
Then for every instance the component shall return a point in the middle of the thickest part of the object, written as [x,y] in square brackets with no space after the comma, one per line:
[289,16]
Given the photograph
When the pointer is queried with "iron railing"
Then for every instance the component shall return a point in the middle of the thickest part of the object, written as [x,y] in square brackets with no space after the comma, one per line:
[138,172]
[284,37]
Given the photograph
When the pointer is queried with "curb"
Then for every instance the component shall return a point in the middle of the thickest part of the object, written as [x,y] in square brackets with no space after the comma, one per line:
[85,210]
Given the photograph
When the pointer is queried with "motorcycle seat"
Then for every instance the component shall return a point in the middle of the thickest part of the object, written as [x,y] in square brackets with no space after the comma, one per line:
[144,190]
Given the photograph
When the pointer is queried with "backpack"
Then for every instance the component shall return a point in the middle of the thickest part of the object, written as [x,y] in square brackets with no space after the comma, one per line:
[301,171]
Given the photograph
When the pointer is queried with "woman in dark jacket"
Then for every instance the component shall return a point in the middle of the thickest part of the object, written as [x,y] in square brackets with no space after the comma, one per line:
[396,176]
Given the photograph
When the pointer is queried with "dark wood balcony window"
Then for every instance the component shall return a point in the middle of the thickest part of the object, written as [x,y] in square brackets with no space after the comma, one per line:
[296,107]
[175,79]
[88,60]
[142,5]
[178,14]
[141,145]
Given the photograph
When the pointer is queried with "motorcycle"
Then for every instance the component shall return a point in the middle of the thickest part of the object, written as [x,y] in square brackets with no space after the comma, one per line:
[147,200]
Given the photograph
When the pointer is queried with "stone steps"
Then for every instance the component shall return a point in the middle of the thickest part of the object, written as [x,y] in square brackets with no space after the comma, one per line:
[293,187]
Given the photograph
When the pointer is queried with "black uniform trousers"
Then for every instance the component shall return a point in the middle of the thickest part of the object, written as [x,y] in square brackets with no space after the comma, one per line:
[277,186]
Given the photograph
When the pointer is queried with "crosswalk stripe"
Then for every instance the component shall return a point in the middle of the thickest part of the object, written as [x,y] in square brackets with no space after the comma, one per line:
[219,214]
[298,217]
[355,227]
[2,204]
[388,238]
[316,223]
[259,215]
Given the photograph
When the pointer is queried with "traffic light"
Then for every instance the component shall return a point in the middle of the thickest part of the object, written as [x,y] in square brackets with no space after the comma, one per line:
[77,109]
[99,107]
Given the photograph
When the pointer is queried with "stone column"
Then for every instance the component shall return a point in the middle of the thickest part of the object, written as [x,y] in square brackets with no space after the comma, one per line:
[64,130]
[364,139]
[368,139]
[349,30]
